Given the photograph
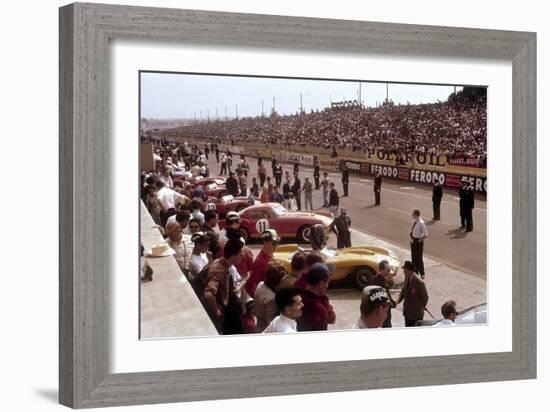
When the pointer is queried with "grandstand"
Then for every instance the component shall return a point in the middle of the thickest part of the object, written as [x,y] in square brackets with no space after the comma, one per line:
[456,127]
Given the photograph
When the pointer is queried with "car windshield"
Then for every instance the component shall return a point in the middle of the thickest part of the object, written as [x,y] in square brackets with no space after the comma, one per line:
[279,210]
[219,181]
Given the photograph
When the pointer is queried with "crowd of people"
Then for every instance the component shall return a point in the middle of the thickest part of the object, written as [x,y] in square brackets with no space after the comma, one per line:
[456,127]
[243,293]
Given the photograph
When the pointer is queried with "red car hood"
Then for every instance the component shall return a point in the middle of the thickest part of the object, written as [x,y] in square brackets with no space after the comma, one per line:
[307,215]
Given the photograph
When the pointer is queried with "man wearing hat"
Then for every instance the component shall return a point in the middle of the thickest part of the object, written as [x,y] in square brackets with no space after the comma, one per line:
[374,307]
[232,221]
[340,226]
[315,313]
[270,239]
[414,295]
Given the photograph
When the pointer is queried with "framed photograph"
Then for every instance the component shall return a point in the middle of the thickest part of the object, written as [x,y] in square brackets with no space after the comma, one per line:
[190,102]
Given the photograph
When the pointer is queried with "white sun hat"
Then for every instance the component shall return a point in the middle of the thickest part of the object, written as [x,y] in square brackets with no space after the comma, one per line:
[160,250]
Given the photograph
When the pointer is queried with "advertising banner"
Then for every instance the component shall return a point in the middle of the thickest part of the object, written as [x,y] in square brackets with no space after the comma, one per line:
[250,152]
[424,176]
[468,161]
[300,158]
[264,153]
[385,171]
[403,174]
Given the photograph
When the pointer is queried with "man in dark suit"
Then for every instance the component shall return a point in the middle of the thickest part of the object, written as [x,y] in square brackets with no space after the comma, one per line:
[333,199]
[437,195]
[462,204]
[345,179]
[316,173]
[469,208]
[232,185]
[414,295]
[377,188]
[297,191]
[278,174]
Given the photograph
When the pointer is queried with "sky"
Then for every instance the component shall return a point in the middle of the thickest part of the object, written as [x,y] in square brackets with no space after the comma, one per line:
[191,96]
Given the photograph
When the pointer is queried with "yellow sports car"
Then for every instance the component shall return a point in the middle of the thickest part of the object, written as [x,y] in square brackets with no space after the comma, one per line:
[358,263]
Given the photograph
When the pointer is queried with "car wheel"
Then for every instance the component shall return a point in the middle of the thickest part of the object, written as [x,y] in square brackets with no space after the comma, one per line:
[304,234]
[244,234]
[363,276]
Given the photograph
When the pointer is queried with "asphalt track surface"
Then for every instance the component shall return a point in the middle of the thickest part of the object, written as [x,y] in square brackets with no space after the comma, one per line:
[392,221]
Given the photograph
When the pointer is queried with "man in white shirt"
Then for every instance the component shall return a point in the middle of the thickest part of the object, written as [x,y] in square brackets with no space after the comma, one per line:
[200,256]
[449,312]
[289,303]
[168,199]
[374,308]
[419,232]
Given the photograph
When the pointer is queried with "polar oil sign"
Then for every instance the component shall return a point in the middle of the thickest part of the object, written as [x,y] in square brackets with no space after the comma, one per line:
[423,176]
[386,171]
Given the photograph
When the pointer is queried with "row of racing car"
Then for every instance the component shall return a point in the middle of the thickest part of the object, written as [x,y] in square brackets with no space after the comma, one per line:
[358,264]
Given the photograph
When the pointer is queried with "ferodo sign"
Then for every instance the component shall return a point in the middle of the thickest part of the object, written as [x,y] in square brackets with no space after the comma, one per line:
[386,171]
[353,166]
[423,176]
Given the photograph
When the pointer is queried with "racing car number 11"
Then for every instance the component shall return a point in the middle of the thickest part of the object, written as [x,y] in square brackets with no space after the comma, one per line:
[262,225]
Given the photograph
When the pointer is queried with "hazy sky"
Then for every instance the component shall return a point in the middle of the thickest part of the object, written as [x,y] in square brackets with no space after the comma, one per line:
[165,96]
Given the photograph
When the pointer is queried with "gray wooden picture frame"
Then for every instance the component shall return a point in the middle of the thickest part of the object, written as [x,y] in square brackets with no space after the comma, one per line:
[85,32]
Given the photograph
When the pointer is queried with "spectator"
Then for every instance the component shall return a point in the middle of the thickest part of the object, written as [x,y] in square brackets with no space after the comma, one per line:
[379,279]
[289,304]
[334,199]
[374,308]
[220,300]
[194,226]
[264,297]
[449,312]
[200,257]
[210,228]
[175,241]
[340,226]
[270,240]
[315,314]
[325,186]
[308,194]
[232,185]
[297,267]
[413,294]
[153,204]
[196,210]
[262,172]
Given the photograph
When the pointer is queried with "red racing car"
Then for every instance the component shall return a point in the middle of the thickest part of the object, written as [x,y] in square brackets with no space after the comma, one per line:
[227,203]
[260,217]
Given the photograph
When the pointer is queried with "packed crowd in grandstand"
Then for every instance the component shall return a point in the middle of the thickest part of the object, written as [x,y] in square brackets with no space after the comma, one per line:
[455,127]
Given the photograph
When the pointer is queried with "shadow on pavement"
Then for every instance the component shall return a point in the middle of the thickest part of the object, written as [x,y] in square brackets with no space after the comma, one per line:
[457,233]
